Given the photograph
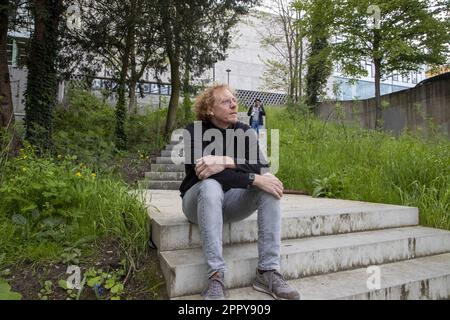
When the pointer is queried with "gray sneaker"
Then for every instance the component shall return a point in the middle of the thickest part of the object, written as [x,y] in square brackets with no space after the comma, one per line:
[273,283]
[215,290]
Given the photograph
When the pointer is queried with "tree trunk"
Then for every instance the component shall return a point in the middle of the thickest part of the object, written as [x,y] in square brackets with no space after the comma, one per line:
[42,82]
[377,63]
[133,79]
[300,70]
[186,92]
[378,111]
[121,111]
[173,43]
[12,143]
[176,88]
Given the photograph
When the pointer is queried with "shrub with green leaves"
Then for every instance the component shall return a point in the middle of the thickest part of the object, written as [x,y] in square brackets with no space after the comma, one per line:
[6,293]
[48,204]
[85,128]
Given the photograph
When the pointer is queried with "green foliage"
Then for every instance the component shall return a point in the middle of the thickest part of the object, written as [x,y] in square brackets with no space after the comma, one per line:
[54,201]
[188,114]
[106,285]
[86,129]
[328,187]
[145,133]
[6,293]
[412,33]
[330,160]
[46,291]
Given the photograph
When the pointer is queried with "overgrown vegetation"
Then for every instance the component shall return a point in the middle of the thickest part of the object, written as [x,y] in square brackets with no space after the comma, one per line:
[85,128]
[49,205]
[63,208]
[331,160]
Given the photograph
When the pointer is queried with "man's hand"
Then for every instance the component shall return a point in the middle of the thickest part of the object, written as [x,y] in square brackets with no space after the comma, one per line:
[212,165]
[270,184]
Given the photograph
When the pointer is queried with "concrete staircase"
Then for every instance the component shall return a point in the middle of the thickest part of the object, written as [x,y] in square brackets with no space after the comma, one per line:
[327,248]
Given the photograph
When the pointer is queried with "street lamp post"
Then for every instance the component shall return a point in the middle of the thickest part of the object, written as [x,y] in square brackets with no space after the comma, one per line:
[228,72]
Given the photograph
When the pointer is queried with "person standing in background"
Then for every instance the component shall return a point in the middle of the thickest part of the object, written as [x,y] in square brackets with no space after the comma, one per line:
[257,114]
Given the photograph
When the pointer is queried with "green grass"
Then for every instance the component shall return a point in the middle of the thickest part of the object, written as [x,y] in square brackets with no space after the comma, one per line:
[329,160]
[78,195]
[49,205]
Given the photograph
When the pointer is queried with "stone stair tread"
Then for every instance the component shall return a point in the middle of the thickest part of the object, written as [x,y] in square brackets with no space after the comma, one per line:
[178,218]
[170,204]
[159,176]
[173,231]
[185,269]
[167,167]
[246,251]
[422,278]
[170,160]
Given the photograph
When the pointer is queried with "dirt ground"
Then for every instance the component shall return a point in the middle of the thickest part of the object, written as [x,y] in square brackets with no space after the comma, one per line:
[146,283]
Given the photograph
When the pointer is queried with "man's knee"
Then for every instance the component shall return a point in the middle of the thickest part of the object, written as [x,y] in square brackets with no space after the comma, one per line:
[268,198]
[210,189]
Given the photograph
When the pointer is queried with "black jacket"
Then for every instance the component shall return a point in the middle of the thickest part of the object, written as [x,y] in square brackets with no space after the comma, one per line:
[262,113]
[248,161]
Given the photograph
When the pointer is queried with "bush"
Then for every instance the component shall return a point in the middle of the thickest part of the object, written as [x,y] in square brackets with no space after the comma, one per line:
[49,204]
[86,129]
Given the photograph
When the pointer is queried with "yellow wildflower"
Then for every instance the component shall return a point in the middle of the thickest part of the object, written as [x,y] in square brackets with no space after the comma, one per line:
[78,174]
[94,175]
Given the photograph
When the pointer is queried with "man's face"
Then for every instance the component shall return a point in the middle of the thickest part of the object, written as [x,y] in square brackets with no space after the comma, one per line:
[258,103]
[225,108]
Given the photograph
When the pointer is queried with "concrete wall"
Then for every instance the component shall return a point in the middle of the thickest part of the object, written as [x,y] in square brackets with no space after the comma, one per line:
[412,108]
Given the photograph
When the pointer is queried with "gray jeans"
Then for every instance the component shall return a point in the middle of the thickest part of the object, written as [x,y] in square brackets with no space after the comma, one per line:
[208,206]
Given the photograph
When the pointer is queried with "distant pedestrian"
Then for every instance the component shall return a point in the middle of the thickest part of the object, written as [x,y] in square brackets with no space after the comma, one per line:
[257,114]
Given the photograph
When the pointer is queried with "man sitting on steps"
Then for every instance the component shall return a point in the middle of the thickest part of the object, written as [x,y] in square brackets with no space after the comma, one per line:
[227,184]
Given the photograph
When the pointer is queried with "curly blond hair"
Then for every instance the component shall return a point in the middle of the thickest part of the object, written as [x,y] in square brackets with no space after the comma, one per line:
[204,103]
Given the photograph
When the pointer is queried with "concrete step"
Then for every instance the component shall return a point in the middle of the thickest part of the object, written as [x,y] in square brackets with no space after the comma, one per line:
[170,147]
[173,231]
[168,176]
[172,153]
[169,160]
[162,185]
[417,279]
[185,270]
[167,168]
